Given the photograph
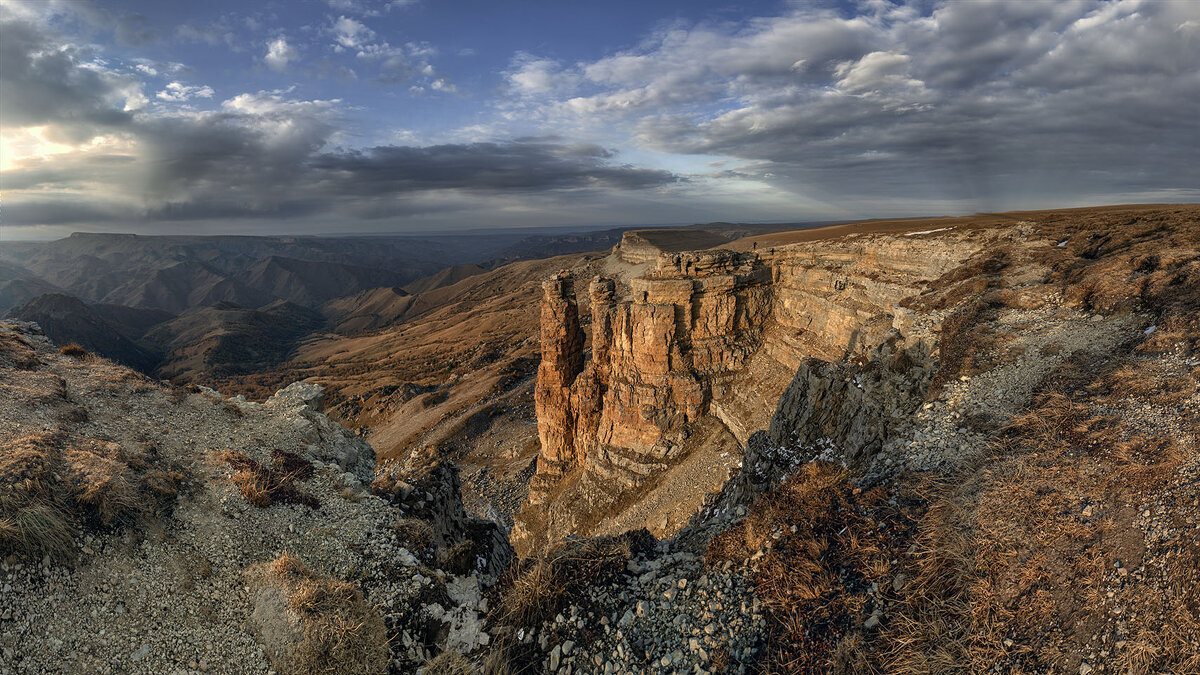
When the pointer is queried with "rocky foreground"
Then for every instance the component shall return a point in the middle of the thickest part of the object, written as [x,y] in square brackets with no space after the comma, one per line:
[153,529]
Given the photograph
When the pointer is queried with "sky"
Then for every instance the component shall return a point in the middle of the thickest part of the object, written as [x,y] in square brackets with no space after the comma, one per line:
[357,116]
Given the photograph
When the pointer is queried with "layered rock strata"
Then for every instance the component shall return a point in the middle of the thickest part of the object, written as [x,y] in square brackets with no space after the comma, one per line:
[707,335]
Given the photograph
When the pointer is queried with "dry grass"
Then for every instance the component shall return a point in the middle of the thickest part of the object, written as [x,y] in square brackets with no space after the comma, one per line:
[74,351]
[1013,558]
[414,534]
[263,486]
[533,590]
[52,485]
[1114,262]
[338,631]
[459,558]
[823,544]
[16,352]
[448,663]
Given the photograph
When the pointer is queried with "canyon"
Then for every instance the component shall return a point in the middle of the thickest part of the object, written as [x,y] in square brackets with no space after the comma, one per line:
[826,449]
[691,355]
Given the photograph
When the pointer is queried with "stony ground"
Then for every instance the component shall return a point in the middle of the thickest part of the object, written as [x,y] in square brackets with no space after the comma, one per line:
[173,595]
[946,434]
[667,614]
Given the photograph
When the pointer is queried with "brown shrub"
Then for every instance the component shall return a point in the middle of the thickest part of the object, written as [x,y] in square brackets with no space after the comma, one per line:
[74,351]
[263,486]
[335,630]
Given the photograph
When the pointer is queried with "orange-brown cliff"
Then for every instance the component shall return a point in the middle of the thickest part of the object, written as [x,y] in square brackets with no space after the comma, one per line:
[691,356]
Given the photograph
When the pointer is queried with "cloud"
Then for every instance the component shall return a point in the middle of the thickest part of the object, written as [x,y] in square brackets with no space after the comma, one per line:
[508,166]
[369,7]
[350,34]
[993,102]
[280,54]
[529,75]
[64,86]
[896,108]
[178,93]
[219,33]
[405,63]
[257,156]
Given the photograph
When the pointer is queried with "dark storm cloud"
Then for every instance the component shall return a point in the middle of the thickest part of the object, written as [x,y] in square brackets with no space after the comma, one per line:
[255,156]
[47,81]
[483,166]
[261,155]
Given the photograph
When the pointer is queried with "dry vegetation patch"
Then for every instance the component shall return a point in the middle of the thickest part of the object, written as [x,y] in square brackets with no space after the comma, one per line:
[1113,261]
[535,589]
[314,624]
[1039,559]
[822,551]
[52,485]
[16,352]
[74,351]
[263,486]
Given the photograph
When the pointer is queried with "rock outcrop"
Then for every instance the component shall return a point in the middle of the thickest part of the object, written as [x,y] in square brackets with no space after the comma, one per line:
[710,337]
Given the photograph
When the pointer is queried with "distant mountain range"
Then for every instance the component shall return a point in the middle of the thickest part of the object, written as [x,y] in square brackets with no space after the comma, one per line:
[184,306]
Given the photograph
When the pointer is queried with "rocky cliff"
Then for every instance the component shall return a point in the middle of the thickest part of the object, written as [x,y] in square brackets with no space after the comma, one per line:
[700,347]
[995,468]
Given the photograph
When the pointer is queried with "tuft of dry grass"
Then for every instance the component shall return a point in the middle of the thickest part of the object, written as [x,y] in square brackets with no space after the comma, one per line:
[338,632]
[52,484]
[414,534]
[448,663]
[74,351]
[534,590]
[263,486]
[292,465]
[105,486]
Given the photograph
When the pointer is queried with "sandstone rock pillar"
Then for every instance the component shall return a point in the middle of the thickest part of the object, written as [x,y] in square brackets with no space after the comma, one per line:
[562,361]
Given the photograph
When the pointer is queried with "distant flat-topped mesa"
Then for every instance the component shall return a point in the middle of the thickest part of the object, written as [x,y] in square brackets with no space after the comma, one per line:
[691,358]
[645,246]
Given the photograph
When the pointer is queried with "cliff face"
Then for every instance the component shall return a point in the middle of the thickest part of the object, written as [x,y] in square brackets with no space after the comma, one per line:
[704,340]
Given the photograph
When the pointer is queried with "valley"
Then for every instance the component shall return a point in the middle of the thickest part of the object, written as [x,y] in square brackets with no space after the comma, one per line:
[784,451]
